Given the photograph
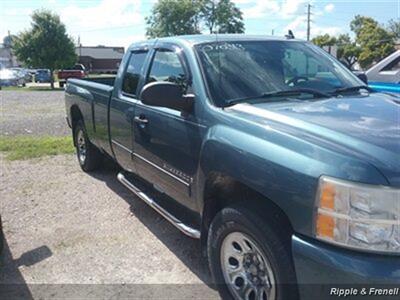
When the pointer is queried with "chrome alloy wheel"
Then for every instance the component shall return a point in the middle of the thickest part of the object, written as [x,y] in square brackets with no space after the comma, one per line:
[81,146]
[247,271]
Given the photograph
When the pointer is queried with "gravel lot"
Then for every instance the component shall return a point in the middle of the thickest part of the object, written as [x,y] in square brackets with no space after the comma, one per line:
[71,234]
[33,113]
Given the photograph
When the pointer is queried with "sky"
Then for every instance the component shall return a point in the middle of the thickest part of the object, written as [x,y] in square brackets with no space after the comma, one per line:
[122,22]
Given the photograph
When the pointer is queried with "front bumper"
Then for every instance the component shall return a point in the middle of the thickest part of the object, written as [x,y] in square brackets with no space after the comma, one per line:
[321,268]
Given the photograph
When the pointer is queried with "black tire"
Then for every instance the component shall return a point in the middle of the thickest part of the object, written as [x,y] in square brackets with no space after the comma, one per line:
[268,235]
[61,84]
[89,157]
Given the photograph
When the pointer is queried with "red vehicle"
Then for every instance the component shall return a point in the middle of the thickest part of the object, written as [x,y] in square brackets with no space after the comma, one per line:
[77,71]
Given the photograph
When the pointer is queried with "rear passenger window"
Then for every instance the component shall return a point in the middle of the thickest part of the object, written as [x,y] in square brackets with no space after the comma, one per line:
[166,66]
[393,66]
[133,73]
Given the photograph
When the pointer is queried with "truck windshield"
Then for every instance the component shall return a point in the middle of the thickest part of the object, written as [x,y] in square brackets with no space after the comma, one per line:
[245,69]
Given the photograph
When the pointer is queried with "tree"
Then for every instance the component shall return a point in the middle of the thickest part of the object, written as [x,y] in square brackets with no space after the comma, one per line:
[46,44]
[347,51]
[178,17]
[324,40]
[173,17]
[394,28]
[222,16]
[375,41]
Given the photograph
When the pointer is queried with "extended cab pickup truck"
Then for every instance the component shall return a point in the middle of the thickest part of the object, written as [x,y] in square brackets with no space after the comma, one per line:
[278,158]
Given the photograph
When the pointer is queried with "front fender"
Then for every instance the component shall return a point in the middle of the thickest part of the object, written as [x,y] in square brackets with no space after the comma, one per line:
[285,169]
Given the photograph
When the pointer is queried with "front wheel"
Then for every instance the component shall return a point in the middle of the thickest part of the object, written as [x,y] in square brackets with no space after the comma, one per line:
[248,258]
[89,157]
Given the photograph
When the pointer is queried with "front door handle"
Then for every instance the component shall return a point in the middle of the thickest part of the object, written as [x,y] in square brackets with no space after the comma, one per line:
[140,120]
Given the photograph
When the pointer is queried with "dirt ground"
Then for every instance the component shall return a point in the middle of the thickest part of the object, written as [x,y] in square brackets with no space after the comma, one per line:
[71,234]
[33,113]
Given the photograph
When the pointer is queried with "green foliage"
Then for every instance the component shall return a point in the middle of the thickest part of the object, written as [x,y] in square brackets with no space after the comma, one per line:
[347,51]
[46,44]
[222,16]
[372,42]
[375,42]
[26,147]
[173,17]
[394,28]
[179,17]
[324,40]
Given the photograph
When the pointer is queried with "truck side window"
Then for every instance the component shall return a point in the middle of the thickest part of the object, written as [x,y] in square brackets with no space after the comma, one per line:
[392,66]
[307,71]
[133,72]
[166,66]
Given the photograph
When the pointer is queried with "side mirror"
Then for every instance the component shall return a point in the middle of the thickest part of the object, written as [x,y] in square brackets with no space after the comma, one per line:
[362,76]
[166,94]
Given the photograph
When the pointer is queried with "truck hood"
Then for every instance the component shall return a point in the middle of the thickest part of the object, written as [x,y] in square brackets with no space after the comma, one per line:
[365,125]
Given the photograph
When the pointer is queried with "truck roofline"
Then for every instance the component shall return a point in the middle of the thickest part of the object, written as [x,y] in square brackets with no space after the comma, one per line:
[197,39]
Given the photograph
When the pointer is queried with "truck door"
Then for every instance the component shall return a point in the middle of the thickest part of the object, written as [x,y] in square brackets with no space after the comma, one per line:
[122,109]
[166,141]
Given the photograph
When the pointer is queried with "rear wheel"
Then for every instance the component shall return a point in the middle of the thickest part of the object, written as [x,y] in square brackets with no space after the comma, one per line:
[248,257]
[89,157]
[61,83]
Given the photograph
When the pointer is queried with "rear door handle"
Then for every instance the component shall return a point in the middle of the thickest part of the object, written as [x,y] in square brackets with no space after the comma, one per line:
[140,120]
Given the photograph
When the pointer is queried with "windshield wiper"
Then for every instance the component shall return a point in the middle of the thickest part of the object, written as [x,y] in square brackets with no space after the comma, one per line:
[351,89]
[294,92]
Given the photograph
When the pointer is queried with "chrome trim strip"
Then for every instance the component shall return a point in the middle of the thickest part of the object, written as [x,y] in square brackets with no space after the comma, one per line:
[151,163]
[189,231]
[121,146]
[161,169]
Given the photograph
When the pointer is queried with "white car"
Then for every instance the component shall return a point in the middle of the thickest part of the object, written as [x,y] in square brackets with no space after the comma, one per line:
[10,77]
[386,71]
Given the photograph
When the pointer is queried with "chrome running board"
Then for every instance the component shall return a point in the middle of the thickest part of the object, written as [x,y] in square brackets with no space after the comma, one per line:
[189,231]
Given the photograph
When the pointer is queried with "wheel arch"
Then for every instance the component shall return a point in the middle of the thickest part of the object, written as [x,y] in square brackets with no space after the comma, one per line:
[222,190]
[76,116]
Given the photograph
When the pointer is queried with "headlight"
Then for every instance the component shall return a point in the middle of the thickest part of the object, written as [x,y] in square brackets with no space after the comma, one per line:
[359,216]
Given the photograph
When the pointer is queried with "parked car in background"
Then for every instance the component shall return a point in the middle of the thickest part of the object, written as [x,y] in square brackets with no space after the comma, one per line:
[43,75]
[385,75]
[9,77]
[77,71]
[22,72]
[280,160]
[32,72]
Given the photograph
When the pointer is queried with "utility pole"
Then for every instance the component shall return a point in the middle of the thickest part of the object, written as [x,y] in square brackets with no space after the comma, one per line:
[308,20]
[80,47]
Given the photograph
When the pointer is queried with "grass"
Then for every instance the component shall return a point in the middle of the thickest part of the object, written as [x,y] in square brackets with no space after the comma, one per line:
[26,147]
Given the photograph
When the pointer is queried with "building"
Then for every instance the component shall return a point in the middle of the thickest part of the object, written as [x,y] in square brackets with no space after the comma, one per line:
[100,59]
[7,58]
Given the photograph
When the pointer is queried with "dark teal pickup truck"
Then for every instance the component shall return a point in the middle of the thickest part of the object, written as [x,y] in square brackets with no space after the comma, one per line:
[280,160]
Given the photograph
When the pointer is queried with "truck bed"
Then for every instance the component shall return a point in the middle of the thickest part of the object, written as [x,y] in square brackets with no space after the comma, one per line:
[92,96]
[109,80]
